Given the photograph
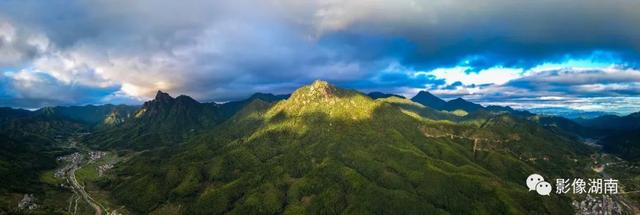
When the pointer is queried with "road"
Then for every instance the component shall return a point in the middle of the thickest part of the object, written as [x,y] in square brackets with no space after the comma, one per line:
[80,189]
[75,164]
[621,198]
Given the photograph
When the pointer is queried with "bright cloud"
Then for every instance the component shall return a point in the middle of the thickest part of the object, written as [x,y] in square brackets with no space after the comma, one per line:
[486,76]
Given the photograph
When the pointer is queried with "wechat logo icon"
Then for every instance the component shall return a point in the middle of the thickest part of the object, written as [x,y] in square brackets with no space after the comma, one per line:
[536,182]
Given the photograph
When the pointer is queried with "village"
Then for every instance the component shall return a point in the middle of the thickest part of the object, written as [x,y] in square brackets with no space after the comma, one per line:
[601,205]
[72,163]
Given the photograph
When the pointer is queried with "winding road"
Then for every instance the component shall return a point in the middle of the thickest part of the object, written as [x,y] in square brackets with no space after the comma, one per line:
[79,189]
[619,197]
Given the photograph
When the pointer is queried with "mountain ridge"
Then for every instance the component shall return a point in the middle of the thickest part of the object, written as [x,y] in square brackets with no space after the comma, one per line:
[332,150]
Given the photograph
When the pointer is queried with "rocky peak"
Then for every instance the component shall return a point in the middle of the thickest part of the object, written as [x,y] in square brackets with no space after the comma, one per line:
[320,84]
[317,91]
[162,96]
[322,88]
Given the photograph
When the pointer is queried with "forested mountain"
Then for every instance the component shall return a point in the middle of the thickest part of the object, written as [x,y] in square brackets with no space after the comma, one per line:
[90,114]
[569,127]
[381,95]
[230,108]
[320,150]
[626,144]
[427,99]
[328,150]
[22,157]
[507,109]
[613,122]
[166,121]
[29,144]
[619,135]
[160,122]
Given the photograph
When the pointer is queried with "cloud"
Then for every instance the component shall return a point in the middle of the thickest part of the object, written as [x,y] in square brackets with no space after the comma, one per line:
[487,76]
[218,51]
[17,46]
[486,33]
[610,88]
[582,82]
[224,50]
[33,89]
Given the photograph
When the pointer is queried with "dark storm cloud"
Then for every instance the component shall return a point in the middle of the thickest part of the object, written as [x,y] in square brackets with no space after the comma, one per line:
[500,32]
[223,50]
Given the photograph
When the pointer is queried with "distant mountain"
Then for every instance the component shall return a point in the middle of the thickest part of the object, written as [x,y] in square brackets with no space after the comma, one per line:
[29,144]
[92,115]
[160,122]
[166,121]
[58,122]
[427,99]
[507,109]
[613,122]
[380,95]
[7,114]
[625,144]
[566,126]
[327,150]
[44,123]
[230,108]
[569,113]
[420,110]
[461,104]
[268,97]
[623,134]
[22,157]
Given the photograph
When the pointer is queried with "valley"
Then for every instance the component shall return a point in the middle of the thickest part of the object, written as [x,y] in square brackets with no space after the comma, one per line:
[76,176]
[74,162]
[609,166]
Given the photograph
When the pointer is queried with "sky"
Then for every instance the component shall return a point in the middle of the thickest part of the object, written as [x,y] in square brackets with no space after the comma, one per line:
[581,54]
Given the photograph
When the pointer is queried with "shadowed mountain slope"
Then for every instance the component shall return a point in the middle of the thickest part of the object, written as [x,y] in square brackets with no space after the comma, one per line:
[168,121]
[160,122]
[380,95]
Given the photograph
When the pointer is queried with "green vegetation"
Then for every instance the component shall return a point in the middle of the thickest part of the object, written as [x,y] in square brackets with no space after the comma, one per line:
[327,150]
[49,178]
[22,159]
[87,173]
[29,144]
[167,121]
[160,122]
[625,144]
[323,150]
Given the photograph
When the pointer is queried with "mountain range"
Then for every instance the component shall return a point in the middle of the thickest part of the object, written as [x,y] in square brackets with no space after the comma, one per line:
[570,113]
[331,150]
[320,150]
